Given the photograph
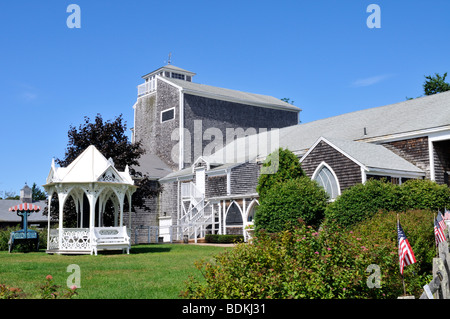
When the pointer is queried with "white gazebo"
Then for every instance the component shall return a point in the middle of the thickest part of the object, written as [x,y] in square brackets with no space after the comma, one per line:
[94,178]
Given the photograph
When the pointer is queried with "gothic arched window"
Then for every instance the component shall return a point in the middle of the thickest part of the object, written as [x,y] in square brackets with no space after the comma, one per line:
[326,178]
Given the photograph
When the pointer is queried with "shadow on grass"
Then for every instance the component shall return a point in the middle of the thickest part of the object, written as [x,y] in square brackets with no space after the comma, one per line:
[145,249]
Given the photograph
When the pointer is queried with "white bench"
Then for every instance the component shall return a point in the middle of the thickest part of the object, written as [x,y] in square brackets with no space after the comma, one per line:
[110,238]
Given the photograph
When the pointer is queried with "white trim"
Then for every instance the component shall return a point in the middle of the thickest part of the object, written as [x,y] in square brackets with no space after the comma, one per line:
[249,208]
[393,173]
[228,182]
[407,135]
[335,147]
[363,175]
[181,128]
[431,159]
[319,168]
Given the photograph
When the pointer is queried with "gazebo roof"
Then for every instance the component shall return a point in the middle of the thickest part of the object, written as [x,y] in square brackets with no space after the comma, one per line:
[90,166]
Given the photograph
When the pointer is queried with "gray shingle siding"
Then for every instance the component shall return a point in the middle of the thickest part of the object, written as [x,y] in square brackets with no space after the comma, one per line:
[244,178]
[225,115]
[347,171]
[414,150]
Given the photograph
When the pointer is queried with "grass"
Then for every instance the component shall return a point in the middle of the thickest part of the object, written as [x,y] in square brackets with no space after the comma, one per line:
[148,272]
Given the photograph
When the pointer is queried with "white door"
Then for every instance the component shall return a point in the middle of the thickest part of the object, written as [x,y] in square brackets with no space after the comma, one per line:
[200,179]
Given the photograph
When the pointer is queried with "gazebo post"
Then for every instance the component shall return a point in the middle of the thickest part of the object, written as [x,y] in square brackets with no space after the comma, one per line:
[50,195]
[62,200]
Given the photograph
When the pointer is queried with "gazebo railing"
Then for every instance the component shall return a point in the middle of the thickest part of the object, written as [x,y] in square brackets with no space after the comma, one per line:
[72,239]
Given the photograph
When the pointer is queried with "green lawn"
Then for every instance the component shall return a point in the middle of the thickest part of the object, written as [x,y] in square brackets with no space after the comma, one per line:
[149,271]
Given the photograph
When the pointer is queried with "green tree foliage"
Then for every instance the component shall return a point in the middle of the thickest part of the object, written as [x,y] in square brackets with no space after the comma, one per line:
[281,165]
[109,137]
[37,194]
[435,84]
[287,201]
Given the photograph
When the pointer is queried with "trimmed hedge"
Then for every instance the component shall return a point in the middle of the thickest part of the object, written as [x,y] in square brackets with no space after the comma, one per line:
[362,201]
[224,239]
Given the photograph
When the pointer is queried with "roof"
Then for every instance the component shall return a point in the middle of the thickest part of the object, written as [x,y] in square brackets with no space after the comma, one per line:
[369,156]
[8,216]
[405,118]
[231,95]
[171,68]
[90,166]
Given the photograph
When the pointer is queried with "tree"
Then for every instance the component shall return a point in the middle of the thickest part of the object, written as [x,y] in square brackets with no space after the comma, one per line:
[108,137]
[435,84]
[37,194]
[287,167]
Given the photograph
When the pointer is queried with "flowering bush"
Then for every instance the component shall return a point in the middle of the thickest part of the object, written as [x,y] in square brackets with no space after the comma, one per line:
[50,291]
[326,263]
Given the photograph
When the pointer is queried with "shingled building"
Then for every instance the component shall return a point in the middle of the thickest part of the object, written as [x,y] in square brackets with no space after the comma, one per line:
[213,185]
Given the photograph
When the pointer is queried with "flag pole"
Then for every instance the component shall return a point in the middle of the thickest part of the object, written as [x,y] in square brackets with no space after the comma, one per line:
[437,245]
[403,277]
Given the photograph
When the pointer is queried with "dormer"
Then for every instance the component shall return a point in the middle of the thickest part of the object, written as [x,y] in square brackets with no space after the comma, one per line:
[168,71]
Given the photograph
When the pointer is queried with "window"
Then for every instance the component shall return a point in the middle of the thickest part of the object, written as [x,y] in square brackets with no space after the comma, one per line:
[167,115]
[327,180]
[177,76]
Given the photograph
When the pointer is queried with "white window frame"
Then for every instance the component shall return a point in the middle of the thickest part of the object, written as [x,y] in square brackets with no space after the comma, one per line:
[317,171]
[166,110]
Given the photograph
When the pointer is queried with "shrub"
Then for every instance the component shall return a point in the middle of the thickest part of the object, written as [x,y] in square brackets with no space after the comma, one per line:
[425,194]
[362,201]
[329,263]
[215,238]
[285,165]
[288,201]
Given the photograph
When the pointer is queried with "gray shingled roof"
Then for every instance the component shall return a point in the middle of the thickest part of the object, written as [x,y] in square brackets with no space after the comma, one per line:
[216,92]
[374,156]
[408,116]
[7,216]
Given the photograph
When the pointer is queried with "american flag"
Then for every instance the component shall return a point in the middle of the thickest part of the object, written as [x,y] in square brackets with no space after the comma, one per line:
[441,221]
[438,233]
[447,214]
[405,252]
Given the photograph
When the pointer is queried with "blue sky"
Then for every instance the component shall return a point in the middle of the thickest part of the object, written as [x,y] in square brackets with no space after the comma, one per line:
[320,54]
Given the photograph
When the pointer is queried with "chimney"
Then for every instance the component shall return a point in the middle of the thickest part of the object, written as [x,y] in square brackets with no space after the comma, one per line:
[25,194]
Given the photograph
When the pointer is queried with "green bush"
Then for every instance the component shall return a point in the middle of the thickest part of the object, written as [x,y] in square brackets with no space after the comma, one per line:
[329,263]
[281,165]
[288,201]
[224,239]
[364,200]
